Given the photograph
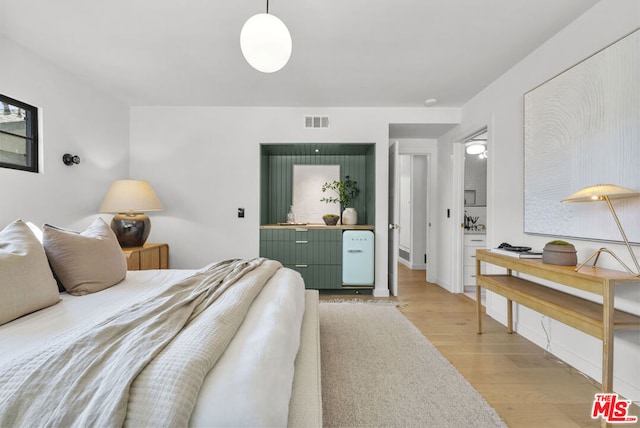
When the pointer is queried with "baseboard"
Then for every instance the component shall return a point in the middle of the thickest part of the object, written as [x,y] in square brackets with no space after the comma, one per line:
[569,356]
[407,263]
[404,262]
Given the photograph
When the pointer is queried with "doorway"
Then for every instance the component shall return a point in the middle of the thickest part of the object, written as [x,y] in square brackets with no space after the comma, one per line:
[412,251]
[416,223]
[471,156]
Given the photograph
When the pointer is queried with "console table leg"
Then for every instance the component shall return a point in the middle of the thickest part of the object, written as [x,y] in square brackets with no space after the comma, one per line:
[478,297]
[479,307]
[509,316]
[607,339]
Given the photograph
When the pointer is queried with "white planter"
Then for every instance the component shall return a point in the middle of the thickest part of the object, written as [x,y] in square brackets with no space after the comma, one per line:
[349,216]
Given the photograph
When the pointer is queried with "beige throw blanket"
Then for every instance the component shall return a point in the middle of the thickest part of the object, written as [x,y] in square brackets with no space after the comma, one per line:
[143,366]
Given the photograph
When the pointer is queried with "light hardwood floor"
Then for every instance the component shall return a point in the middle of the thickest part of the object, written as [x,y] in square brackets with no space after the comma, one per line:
[528,387]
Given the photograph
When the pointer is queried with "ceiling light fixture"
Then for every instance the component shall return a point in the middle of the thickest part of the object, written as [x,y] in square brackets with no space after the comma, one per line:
[475,149]
[265,42]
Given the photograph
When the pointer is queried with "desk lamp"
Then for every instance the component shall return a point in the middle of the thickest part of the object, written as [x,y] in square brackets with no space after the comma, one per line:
[606,192]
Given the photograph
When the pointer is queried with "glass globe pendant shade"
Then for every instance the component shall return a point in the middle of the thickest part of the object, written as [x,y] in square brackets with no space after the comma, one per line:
[265,42]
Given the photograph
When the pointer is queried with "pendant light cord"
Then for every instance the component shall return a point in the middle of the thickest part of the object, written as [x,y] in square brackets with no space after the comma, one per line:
[267,7]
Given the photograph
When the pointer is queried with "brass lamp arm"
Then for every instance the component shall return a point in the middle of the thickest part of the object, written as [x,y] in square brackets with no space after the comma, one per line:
[626,241]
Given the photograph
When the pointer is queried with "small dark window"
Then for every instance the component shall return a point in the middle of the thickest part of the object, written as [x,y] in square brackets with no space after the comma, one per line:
[18,135]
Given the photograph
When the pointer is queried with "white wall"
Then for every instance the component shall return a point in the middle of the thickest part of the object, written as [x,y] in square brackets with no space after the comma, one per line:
[204,163]
[500,107]
[74,118]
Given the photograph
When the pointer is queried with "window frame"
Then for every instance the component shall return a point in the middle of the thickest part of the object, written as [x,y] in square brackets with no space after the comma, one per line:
[31,138]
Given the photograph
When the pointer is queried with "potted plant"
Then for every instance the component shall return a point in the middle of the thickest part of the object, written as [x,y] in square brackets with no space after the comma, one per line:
[559,252]
[331,219]
[347,191]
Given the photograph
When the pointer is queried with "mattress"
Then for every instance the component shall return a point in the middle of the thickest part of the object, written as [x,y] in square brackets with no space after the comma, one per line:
[268,376]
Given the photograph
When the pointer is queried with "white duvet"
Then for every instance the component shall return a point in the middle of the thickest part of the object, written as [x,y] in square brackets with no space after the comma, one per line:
[251,383]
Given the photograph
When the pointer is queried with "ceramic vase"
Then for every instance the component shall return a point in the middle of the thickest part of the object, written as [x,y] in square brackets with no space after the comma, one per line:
[349,216]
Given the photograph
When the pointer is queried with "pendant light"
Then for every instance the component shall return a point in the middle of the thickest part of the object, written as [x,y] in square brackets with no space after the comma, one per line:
[265,42]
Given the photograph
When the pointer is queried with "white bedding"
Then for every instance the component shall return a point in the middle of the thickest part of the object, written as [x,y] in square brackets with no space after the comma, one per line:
[251,383]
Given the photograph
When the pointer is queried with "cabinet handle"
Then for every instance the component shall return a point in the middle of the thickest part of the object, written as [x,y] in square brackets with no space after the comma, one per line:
[302,266]
[302,242]
[477,240]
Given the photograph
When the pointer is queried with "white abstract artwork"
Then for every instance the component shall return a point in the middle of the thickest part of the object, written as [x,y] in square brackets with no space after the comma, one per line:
[582,128]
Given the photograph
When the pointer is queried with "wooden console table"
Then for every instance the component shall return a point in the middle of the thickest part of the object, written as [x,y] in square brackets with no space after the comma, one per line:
[595,319]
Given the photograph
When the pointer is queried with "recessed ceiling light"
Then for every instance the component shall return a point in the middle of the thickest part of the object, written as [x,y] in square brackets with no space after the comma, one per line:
[430,101]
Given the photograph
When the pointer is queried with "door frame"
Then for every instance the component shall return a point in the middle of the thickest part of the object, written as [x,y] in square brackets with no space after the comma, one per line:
[394,208]
[457,285]
[431,178]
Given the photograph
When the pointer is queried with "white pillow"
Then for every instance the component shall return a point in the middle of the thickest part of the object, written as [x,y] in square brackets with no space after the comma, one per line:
[85,262]
[36,231]
[26,281]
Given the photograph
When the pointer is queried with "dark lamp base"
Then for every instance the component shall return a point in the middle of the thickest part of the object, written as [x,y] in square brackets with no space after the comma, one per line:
[132,230]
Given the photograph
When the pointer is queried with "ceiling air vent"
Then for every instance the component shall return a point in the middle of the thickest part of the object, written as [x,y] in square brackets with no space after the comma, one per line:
[316,121]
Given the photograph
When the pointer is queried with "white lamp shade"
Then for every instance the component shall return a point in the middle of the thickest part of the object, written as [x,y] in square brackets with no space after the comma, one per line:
[130,196]
[599,191]
[265,43]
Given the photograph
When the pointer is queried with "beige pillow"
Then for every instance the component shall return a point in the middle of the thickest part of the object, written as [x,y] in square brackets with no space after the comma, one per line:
[26,281]
[85,262]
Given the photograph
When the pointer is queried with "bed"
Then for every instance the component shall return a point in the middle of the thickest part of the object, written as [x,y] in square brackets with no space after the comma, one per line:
[266,374]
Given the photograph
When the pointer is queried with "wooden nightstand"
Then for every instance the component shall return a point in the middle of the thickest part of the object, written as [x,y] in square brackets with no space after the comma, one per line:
[149,256]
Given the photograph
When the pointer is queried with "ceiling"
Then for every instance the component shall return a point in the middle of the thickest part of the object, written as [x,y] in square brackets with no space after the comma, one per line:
[346,53]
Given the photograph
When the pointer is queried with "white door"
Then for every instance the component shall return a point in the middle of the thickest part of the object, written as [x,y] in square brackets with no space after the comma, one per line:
[394,203]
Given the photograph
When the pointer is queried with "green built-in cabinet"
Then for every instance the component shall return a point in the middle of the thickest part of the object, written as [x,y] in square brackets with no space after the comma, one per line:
[315,253]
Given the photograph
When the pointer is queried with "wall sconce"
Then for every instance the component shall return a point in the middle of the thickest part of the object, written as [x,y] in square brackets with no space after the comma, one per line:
[69,160]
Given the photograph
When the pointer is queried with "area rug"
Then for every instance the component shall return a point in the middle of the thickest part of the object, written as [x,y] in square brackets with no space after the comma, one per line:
[378,370]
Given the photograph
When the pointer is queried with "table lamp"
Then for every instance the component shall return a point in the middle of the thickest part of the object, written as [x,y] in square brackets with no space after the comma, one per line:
[129,198]
[606,192]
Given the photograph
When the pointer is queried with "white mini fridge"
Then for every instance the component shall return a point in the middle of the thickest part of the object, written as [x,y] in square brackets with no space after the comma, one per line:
[358,258]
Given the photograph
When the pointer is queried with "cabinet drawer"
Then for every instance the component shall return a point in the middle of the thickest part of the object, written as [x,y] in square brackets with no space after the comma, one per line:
[303,252]
[319,277]
[282,251]
[469,276]
[149,256]
[475,240]
[301,234]
[302,246]
[470,256]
